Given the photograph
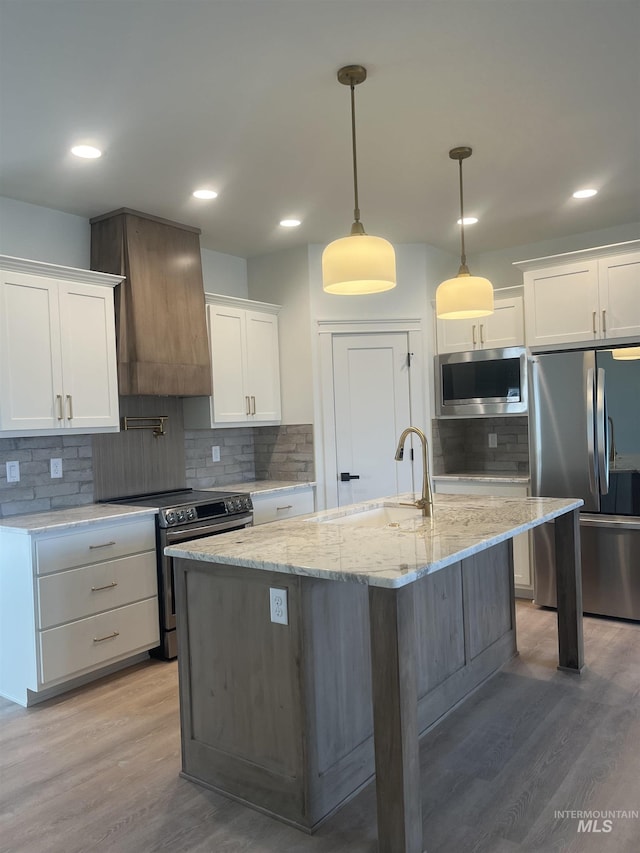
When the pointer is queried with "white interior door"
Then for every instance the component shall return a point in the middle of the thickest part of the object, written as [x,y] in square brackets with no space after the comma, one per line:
[372,407]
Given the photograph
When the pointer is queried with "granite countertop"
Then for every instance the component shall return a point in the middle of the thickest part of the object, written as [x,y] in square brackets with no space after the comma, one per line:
[64,519]
[265,487]
[388,556]
[485,476]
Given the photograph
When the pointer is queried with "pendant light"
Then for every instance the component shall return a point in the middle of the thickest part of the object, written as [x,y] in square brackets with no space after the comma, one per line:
[359,263]
[465,295]
[626,353]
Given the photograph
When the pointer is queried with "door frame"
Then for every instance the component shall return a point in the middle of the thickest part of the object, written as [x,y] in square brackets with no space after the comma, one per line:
[325,443]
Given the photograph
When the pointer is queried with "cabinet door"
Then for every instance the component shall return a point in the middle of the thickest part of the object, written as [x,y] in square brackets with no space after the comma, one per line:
[30,360]
[619,288]
[561,304]
[457,335]
[503,328]
[228,364]
[263,366]
[89,369]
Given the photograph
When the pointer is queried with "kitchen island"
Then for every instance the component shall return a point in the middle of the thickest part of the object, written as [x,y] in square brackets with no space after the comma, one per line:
[385,620]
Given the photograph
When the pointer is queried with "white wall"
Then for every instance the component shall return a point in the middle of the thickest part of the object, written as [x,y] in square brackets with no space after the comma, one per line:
[497,266]
[226,274]
[42,234]
[283,278]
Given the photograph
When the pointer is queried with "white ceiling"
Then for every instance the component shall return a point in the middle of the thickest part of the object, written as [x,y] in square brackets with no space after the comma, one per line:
[243,96]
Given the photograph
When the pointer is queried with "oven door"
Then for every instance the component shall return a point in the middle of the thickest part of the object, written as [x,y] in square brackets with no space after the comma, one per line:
[166,585]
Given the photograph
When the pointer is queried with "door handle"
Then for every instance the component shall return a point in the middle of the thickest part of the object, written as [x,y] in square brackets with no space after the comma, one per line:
[253,405]
[473,334]
[594,323]
[70,405]
[481,335]
[248,404]
[345,476]
[59,402]
[604,321]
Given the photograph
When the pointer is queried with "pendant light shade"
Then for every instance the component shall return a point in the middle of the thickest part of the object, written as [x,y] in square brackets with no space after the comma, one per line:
[626,353]
[359,263]
[466,295]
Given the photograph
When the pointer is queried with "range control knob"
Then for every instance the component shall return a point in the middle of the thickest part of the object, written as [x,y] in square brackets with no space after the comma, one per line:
[181,515]
[170,517]
[191,513]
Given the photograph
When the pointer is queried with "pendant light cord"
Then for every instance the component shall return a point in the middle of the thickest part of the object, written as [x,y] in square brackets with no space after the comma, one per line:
[356,209]
[463,257]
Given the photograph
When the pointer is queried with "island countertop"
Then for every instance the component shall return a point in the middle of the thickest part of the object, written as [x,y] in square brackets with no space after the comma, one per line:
[388,555]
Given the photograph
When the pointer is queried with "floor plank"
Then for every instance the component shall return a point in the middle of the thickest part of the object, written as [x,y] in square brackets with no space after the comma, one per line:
[96,771]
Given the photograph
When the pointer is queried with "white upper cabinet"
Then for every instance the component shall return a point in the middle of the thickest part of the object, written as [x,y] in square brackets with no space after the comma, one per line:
[581,297]
[503,328]
[245,364]
[57,350]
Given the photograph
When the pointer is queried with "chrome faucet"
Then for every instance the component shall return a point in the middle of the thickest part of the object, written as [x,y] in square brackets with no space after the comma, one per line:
[425,503]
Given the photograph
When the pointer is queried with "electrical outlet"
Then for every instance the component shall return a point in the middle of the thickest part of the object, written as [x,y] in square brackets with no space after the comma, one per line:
[13,472]
[56,468]
[493,439]
[215,453]
[278,605]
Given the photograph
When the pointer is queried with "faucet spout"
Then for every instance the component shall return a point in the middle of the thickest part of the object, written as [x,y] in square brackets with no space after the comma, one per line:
[426,501]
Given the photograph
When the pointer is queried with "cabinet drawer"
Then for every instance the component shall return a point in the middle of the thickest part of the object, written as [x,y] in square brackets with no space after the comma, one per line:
[94,545]
[82,592]
[88,643]
[278,507]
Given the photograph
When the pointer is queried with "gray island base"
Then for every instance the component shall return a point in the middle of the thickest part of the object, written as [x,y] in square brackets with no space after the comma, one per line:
[392,619]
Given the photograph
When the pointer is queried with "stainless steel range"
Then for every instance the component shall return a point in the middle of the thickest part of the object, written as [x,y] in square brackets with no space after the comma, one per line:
[185,514]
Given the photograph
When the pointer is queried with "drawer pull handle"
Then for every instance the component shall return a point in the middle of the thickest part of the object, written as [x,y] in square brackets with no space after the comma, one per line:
[108,637]
[288,506]
[103,545]
[107,586]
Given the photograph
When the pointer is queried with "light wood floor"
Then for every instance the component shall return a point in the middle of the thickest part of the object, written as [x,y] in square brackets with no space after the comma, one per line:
[97,769]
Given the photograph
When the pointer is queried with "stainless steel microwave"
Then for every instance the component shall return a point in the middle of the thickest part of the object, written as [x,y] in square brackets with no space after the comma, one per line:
[482,383]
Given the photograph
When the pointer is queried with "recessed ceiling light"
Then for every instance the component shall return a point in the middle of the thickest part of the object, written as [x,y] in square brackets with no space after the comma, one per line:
[290,223]
[88,152]
[468,220]
[205,194]
[587,193]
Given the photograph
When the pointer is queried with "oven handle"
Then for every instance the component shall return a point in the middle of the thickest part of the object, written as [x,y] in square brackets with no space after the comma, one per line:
[182,535]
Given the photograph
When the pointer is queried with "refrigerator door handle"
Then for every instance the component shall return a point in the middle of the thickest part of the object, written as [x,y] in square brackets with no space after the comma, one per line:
[591,450]
[601,433]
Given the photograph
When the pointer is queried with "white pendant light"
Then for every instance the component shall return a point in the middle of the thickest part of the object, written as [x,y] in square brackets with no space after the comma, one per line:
[359,263]
[626,353]
[466,295]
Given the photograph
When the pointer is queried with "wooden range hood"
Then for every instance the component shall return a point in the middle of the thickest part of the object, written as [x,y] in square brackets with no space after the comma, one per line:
[161,329]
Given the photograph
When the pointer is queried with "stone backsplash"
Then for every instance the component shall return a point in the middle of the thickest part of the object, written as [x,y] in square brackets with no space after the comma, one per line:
[462,444]
[37,490]
[249,453]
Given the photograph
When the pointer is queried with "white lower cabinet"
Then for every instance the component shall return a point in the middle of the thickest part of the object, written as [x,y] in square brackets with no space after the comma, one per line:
[73,603]
[286,504]
[521,560]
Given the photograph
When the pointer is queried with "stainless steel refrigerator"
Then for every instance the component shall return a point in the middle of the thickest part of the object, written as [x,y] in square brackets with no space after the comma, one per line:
[584,438]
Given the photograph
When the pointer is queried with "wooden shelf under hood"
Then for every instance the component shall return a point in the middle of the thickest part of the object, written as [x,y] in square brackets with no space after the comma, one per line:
[160,314]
